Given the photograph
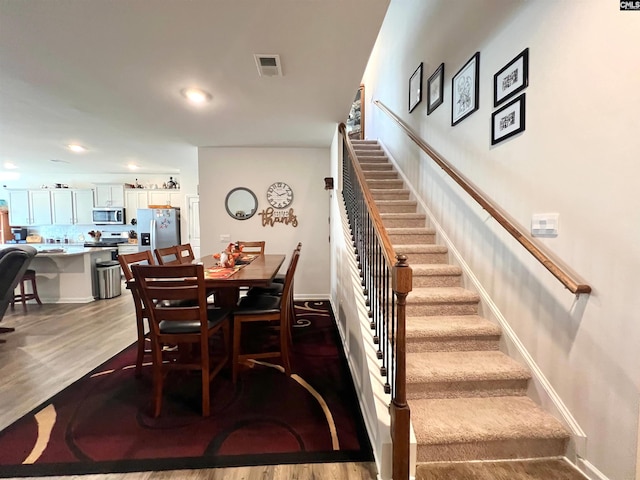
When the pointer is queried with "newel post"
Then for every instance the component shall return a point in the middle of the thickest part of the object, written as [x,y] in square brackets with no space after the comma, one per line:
[400,413]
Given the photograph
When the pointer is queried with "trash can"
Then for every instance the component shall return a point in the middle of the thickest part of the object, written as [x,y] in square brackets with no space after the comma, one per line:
[109,284]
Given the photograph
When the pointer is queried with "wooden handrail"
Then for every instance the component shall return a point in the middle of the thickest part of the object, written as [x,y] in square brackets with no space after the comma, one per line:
[381,232]
[561,272]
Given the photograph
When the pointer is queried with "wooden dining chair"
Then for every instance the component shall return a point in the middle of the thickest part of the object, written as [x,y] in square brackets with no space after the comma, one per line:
[185,253]
[272,311]
[254,247]
[175,298]
[167,255]
[127,260]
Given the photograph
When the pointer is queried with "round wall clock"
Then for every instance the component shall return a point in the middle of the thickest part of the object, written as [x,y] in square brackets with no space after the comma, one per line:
[279,195]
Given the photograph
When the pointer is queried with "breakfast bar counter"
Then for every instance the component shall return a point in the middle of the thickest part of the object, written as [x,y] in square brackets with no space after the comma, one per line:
[67,273]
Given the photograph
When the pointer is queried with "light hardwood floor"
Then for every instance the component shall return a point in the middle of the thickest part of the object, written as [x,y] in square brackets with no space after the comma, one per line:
[54,345]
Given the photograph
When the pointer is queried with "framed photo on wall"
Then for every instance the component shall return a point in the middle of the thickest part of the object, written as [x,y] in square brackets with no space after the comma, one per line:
[512,78]
[465,88]
[435,89]
[415,88]
[509,120]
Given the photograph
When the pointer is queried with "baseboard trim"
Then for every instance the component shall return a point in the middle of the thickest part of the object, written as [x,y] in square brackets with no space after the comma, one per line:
[590,470]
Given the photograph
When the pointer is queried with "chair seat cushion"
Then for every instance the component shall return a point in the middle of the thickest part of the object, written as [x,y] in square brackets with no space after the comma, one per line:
[214,317]
[258,304]
[273,289]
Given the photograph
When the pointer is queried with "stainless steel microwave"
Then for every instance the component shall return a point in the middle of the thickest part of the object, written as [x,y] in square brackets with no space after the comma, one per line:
[108,216]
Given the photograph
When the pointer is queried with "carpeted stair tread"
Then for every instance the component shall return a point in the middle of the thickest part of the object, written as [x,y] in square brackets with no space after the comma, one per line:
[421,248]
[442,295]
[463,366]
[452,333]
[411,231]
[428,269]
[483,419]
[451,326]
[530,469]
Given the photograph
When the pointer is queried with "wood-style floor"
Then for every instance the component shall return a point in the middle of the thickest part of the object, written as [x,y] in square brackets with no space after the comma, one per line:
[54,345]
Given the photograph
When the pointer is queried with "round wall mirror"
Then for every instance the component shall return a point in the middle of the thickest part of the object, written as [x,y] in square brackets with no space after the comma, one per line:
[241,203]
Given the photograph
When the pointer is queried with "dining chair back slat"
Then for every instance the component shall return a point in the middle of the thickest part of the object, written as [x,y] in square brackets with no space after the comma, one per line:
[185,253]
[253,247]
[175,298]
[167,255]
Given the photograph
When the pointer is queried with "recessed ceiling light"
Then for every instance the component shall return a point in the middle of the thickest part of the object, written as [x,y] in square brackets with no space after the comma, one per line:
[76,148]
[10,166]
[196,95]
[132,166]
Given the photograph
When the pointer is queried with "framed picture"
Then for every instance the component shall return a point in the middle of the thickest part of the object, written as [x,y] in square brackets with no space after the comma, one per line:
[465,88]
[415,88]
[435,89]
[508,121]
[513,78]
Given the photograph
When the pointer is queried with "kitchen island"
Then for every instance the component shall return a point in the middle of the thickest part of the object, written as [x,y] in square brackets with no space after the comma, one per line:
[67,273]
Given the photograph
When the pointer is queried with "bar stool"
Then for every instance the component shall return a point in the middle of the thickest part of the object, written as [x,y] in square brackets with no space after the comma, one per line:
[29,275]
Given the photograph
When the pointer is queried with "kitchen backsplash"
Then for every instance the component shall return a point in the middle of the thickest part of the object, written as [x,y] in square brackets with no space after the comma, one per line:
[73,234]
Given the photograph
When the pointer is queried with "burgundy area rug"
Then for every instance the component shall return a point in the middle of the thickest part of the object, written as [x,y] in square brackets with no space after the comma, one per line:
[101,423]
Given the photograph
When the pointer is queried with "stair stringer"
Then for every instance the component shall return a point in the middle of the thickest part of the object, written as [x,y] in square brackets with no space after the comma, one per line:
[374,402]
[539,389]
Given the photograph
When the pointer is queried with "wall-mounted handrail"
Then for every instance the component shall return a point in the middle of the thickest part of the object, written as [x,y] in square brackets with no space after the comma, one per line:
[570,280]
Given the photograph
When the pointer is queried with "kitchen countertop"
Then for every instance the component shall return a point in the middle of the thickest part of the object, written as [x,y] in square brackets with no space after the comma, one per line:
[53,249]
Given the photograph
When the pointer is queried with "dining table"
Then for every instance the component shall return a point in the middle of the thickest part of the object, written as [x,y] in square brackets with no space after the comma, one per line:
[249,271]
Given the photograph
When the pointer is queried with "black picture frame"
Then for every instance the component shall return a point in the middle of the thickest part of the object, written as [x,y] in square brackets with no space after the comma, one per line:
[508,120]
[415,88]
[465,90]
[435,89]
[512,78]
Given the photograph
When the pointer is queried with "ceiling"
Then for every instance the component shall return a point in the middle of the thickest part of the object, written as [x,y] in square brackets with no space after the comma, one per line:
[107,74]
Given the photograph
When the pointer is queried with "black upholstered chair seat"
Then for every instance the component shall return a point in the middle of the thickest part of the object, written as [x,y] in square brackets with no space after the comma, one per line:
[215,316]
[273,289]
[259,304]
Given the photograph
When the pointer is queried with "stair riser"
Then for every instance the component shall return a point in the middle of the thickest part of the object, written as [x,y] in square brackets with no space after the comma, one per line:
[380,175]
[476,388]
[382,195]
[431,309]
[512,448]
[369,152]
[403,222]
[382,184]
[435,280]
[410,208]
[366,158]
[459,344]
[428,258]
[421,239]
[376,167]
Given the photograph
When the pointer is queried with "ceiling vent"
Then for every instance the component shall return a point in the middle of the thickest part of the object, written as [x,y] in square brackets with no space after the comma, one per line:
[268,65]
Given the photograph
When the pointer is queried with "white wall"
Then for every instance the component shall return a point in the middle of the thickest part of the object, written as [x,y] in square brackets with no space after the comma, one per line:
[304,170]
[578,157]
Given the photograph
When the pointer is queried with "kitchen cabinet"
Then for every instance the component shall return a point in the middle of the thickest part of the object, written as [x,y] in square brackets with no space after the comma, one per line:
[109,195]
[134,198]
[70,207]
[170,197]
[29,207]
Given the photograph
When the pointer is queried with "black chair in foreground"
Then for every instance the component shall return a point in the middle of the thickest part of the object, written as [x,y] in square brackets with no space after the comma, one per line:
[175,300]
[14,262]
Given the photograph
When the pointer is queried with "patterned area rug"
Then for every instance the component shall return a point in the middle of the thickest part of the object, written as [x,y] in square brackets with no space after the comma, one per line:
[101,423]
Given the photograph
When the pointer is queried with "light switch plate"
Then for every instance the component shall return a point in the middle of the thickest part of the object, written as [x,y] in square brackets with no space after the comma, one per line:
[545,224]
[225,238]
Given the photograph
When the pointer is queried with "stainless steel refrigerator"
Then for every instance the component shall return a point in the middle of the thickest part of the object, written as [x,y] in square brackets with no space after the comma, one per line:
[158,228]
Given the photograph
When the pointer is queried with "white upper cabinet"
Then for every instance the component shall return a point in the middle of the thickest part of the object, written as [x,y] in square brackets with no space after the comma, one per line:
[70,207]
[109,195]
[29,207]
[167,196]
[82,207]
[134,198]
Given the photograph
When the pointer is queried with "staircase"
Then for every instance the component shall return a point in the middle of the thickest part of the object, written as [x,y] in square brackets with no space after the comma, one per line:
[468,400]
